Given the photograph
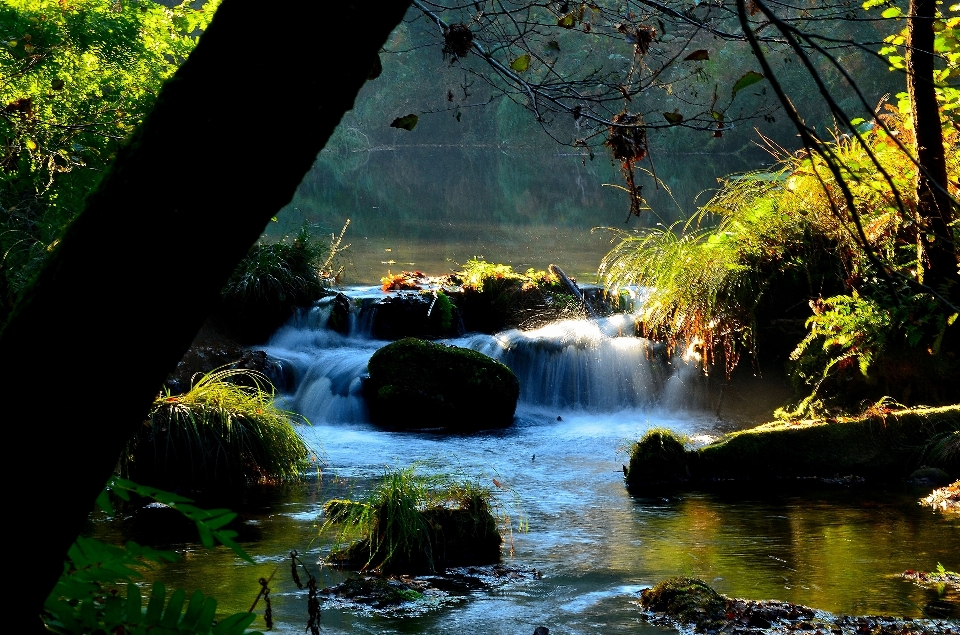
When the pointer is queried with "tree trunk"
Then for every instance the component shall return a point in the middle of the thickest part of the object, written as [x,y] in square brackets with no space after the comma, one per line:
[934,206]
[133,278]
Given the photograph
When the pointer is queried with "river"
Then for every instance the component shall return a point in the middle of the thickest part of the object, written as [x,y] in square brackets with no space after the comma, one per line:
[587,393]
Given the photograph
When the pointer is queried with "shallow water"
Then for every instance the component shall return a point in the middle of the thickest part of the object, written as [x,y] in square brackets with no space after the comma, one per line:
[838,549]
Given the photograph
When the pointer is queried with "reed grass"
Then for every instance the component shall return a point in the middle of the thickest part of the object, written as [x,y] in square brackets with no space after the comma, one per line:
[217,434]
[708,278]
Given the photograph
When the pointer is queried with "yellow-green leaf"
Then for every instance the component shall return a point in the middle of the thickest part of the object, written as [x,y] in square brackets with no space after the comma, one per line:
[749,79]
[521,64]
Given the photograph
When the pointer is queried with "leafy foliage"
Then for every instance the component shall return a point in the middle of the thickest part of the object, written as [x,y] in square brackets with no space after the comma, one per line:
[217,434]
[708,279]
[77,79]
[87,597]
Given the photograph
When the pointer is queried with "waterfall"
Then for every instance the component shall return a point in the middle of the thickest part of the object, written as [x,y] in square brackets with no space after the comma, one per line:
[586,366]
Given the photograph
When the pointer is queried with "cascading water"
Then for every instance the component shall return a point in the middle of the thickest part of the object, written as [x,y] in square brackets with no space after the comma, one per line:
[588,388]
[585,366]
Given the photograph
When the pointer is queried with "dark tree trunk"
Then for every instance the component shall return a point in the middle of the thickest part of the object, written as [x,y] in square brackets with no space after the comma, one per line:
[230,138]
[934,206]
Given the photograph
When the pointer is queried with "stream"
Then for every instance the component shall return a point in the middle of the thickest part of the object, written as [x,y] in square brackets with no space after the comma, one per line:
[586,393]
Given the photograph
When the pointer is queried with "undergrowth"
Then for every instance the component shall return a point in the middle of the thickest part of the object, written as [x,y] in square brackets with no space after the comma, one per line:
[770,241]
[98,591]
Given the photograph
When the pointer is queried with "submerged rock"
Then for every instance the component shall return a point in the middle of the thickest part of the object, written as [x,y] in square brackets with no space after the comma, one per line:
[406,596]
[418,384]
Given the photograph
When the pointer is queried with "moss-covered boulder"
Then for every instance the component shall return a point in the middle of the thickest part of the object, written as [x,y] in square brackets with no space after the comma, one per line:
[687,600]
[418,384]
[657,461]
[878,445]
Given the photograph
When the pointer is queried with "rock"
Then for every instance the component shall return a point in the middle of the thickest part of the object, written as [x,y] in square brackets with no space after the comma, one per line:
[339,319]
[423,315]
[456,537]
[688,600]
[880,446]
[541,630]
[418,384]
[929,476]
[657,461]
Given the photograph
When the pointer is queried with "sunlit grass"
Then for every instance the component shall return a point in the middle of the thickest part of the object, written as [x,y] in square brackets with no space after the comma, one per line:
[399,526]
[219,433]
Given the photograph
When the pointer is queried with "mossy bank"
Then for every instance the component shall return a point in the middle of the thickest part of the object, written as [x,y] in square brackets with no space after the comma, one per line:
[879,445]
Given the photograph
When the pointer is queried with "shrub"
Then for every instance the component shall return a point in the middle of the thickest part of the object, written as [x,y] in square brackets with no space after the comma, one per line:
[217,434]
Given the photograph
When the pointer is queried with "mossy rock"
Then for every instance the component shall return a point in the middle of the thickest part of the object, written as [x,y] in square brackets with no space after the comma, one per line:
[883,445]
[688,600]
[418,384]
[657,461]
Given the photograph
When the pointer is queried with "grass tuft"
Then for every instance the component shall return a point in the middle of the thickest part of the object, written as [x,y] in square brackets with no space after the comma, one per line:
[218,434]
[413,523]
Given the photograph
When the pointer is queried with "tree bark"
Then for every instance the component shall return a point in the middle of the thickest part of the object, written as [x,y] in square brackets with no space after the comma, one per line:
[133,278]
[935,209]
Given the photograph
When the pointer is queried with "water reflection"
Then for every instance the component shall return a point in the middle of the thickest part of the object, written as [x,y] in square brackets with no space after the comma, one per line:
[834,549]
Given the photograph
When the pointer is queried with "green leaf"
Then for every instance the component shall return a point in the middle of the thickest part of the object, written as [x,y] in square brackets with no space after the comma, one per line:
[193,610]
[892,12]
[103,502]
[235,624]
[698,56]
[673,117]
[174,607]
[521,64]
[155,605]
[134,604]
[567,21]
[408,122]
[553,45]
[749,79]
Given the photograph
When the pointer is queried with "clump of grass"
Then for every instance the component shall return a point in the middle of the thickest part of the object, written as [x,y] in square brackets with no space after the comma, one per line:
[218,434]
[413,523]
[275,278]
[496,297]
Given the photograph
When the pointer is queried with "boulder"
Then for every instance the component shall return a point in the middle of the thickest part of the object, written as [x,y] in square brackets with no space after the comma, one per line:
[418,384]
[424,315]
[657,461]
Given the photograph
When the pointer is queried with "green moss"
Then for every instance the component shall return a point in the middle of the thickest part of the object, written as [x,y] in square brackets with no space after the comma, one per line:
[883,444]
[688,600]
[657,460]
[418,384]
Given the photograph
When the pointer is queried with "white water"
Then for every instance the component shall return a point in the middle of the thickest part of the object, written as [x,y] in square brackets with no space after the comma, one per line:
[595,367]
